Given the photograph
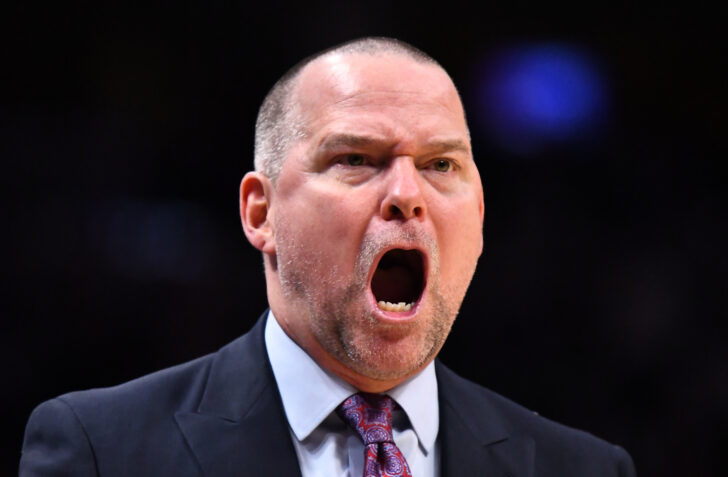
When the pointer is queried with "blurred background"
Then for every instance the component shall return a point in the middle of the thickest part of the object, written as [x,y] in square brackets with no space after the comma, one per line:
[600,300]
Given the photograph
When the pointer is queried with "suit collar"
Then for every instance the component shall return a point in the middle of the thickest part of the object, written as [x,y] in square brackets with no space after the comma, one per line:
[474,437]
[239,427]
[239,375]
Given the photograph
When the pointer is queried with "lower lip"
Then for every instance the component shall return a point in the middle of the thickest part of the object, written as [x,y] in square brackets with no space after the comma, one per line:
[395,316]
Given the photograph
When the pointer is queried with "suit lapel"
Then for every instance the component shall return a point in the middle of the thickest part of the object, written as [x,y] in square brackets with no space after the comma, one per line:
[474,439]
[239,428]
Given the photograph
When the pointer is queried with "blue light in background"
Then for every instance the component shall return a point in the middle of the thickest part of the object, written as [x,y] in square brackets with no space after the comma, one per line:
[539,95]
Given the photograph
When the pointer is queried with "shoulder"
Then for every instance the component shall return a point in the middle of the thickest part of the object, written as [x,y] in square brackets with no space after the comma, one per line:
[118,430]
[71,431]
[178,387]
[490,416]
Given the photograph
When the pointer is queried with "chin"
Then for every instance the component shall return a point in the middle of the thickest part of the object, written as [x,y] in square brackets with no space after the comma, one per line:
[386,353]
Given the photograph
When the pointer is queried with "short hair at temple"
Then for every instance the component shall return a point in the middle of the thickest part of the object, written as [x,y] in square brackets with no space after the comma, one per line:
[279,125]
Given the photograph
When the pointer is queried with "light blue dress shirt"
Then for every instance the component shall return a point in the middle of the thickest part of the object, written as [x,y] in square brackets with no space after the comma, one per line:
[325,445]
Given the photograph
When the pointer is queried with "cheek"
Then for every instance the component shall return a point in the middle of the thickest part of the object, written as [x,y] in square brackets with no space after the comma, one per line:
[329,224]
[460,238]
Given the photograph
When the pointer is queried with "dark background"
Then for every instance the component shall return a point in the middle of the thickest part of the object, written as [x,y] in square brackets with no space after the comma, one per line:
[600,300]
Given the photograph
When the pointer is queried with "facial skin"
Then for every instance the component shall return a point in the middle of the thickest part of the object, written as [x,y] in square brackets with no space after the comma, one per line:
[385,164]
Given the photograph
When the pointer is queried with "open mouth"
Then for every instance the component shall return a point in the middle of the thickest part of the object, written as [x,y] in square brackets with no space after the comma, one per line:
[398,280]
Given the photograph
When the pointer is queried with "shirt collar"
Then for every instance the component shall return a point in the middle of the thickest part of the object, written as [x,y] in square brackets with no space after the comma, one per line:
[310,393]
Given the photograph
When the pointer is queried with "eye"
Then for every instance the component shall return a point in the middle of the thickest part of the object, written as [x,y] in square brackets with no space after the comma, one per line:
[354,160]
[442,165]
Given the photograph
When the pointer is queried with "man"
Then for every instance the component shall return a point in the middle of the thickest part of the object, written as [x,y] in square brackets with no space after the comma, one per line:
[367,206]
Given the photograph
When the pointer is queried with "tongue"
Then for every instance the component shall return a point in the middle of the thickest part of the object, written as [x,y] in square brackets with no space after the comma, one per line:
[395,284]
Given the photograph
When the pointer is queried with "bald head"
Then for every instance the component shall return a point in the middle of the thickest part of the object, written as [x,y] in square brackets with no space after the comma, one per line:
[280,122]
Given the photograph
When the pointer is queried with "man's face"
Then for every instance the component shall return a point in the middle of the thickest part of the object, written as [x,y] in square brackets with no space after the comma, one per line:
[380,202]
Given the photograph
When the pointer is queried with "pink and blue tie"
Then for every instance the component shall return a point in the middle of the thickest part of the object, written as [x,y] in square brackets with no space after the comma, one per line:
[370,415]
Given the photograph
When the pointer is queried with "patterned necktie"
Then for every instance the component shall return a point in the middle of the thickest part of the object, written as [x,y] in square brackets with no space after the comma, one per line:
[370,415]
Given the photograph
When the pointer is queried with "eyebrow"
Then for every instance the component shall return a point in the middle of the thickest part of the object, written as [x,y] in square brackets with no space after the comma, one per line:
[349,140]
[448,145]
[433,146]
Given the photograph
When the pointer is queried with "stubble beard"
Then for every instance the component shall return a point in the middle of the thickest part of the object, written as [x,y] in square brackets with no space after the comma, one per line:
[339,317]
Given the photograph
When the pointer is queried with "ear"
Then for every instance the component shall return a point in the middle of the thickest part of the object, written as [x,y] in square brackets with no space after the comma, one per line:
[481,209]
[255,195]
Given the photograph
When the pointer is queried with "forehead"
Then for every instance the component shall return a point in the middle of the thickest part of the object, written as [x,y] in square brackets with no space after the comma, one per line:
[347,84]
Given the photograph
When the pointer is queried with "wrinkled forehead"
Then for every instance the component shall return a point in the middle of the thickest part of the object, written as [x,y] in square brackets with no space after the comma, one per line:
[368,78]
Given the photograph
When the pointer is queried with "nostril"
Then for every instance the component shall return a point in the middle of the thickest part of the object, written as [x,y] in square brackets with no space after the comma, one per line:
[404,214]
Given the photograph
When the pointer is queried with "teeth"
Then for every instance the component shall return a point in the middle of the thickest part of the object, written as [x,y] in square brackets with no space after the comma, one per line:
[401,306]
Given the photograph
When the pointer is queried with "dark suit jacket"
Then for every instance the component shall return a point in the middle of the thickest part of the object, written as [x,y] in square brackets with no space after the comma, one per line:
[221,415]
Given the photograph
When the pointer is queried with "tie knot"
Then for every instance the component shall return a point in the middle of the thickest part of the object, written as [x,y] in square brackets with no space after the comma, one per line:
[370,415]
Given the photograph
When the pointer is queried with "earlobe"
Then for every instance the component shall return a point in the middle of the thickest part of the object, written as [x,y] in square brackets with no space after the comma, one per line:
[255,194]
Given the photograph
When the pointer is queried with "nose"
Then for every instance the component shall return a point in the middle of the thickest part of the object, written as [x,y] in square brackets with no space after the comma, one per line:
[403,198]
